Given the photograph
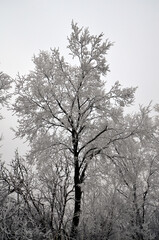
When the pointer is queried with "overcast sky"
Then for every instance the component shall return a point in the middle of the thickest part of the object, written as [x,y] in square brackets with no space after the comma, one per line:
[27,26]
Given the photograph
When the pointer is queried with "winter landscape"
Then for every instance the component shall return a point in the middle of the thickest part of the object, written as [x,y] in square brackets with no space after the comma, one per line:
[80,144]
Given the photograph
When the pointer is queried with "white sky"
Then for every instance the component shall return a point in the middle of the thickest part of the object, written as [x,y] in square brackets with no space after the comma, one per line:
[27,26]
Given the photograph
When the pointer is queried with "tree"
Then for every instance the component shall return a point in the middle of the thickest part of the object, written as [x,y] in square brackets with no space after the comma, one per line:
[136,161]
[101,202]
[5,85]
[35,202]
[64,108]
[121,190]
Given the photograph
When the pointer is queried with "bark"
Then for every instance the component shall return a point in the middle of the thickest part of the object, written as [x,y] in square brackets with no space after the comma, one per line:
[77,204]
[77,211]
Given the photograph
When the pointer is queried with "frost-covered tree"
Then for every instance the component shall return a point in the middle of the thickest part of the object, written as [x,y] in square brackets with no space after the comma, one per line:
[101,203]
[5,84]
[120,199]
[137,163]
[64,108]
[33,205]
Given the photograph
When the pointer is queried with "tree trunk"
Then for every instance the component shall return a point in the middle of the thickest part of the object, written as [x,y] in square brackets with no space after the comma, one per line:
[77,204]
[77,211]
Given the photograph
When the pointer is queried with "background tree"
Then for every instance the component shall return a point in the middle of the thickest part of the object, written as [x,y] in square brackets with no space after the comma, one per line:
[34,202]
[5,85]
[101,202]
[136,161]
